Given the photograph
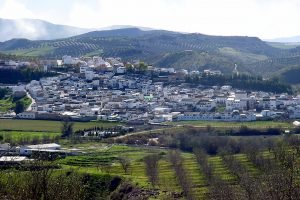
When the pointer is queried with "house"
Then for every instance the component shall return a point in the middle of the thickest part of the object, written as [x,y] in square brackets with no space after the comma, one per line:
[27,115]
[121,70]
[29,149]
[227,116]
[294,112]
[4,147]
[205,105]
[13,160]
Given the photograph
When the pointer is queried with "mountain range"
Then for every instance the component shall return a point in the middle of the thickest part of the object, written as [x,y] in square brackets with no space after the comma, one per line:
[36,29]
[162,48]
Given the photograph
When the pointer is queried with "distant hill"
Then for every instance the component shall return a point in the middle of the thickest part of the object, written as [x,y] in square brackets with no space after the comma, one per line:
[166,49]
[36,29]
[294,39]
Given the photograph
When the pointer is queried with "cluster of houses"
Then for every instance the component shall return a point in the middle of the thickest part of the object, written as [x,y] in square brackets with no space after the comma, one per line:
[12,64]
[105,89]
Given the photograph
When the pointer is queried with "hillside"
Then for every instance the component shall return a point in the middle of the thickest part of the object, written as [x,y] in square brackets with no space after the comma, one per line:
[165,49]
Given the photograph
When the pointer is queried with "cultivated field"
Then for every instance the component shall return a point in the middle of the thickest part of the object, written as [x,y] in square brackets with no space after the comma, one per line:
[25,136]
[255,124]
[46,126]
[97,156]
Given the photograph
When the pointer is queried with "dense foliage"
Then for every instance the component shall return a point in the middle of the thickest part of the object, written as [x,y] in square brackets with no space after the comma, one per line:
[3,92]
[41,180]
[13,76]
[245,82]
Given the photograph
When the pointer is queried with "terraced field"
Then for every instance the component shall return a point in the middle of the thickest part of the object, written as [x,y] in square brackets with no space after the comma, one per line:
[97,154]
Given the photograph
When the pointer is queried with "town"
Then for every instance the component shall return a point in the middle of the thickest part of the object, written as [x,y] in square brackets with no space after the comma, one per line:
[108,89]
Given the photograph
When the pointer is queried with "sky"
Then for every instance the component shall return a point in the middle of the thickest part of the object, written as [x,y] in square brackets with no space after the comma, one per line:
[266,19]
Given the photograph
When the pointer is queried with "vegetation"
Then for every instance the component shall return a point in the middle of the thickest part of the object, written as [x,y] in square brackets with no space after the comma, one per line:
[66,128]
[167,49]
[151,167]
[24,137]
[7,102]
[217,125]
[41,180]
[216,167]
[47,126]
[242,81]
[3,92]
[13,76]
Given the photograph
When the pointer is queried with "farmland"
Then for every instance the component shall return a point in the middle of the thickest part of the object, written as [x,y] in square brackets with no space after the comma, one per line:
[46,126]
[194,163]
[104,159]
[24,136]
[255,124]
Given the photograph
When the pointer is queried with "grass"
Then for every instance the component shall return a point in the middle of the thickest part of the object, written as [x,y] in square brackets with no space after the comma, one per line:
[18,136]
[195,175]
[242,158]
[8,104]
[97,154]
[220,170]
[167,177]
[95,53]
[32,51]
[255,124]
[46,126]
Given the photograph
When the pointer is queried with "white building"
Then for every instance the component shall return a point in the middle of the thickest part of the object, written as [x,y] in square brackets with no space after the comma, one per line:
[27,115]
[205,105]
[121,70]
[27,150]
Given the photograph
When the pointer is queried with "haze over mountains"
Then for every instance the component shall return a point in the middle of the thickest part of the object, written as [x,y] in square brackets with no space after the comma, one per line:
[158,47]
[35,29]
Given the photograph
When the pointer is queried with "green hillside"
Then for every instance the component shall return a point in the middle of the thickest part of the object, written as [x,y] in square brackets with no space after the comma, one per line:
[166,49]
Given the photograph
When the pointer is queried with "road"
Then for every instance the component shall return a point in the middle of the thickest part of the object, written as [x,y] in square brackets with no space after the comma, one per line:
[32,101]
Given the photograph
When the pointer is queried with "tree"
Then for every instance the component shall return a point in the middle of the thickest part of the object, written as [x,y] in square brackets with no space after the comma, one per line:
[20,107]
[151,162]
[125,164]
[181,174]
[142,66]
[3,92]
[67,128]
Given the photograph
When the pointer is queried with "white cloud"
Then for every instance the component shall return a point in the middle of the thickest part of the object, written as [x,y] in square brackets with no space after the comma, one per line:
[14,9]
[266,19]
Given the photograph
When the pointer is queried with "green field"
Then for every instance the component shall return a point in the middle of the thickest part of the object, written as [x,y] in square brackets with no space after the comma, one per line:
[255,124]
[46,126]
[41,51]
[18,136]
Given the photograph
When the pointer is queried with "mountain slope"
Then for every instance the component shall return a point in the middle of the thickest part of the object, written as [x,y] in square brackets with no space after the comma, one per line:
[35,29]
[165,49]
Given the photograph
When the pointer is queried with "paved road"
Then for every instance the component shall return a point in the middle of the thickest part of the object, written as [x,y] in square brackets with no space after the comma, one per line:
[32,101]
